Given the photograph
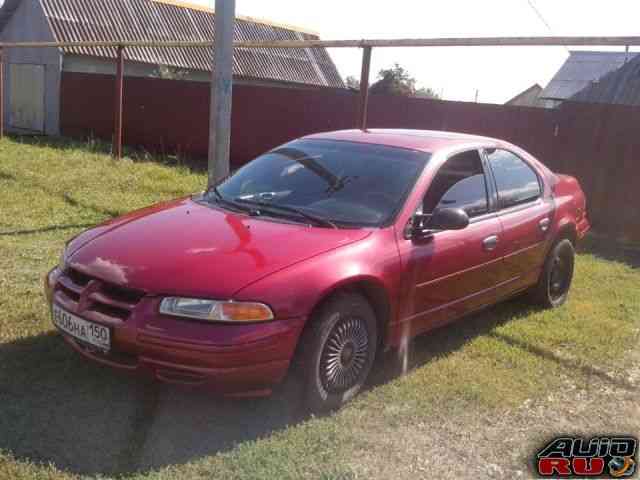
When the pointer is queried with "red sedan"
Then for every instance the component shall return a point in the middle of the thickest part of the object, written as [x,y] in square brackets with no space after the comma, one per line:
[318,254]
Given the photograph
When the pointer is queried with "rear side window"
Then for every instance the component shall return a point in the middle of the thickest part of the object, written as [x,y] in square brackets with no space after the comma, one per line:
[516,181]
[460,183]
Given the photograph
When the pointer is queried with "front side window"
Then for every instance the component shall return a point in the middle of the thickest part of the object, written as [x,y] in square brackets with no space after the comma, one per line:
[460,183]
[348,183]
[516,181]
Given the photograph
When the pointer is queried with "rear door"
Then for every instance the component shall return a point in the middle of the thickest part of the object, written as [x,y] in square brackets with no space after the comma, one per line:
[525,217]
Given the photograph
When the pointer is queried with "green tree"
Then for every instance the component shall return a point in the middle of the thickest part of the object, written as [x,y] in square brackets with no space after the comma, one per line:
[398,81]
[167,72]
[352,82]
[427,93]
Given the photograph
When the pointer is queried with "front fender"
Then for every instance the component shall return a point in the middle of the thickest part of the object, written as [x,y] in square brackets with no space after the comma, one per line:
[295,291]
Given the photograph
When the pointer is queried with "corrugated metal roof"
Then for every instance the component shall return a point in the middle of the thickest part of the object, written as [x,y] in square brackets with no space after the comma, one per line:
[621,86]
[144,20]
[580,70]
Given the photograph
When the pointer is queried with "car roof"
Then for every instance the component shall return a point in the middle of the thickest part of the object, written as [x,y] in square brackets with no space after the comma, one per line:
[423,140]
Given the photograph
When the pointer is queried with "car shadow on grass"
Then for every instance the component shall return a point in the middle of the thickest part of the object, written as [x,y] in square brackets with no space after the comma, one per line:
[91,420]
[87,419]
[608,249]
[447,339]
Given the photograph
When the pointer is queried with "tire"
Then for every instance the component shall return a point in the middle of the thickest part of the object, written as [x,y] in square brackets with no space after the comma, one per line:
[336,352]
[552,289]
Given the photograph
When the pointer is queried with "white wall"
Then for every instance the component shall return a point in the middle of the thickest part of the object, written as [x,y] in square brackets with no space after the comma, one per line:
[30,24]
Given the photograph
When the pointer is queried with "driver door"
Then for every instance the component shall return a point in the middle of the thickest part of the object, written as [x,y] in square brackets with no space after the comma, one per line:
[454,272]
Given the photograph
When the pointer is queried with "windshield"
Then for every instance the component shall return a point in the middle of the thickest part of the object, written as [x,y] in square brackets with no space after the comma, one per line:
[349,184]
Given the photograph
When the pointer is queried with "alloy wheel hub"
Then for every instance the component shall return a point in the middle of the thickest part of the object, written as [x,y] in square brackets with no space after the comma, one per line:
[558,278]
[344,355]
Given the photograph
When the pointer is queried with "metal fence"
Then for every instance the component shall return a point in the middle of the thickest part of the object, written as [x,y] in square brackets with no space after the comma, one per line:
[597,144]
[366,45]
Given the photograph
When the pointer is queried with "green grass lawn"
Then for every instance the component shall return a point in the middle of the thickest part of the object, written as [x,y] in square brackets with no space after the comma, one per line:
[61,417]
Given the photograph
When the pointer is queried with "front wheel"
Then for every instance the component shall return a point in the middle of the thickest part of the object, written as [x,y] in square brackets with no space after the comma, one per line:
[337,351]
[555,280]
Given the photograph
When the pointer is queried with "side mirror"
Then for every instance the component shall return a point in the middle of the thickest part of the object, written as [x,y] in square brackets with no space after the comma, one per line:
[449,219]
[423,226]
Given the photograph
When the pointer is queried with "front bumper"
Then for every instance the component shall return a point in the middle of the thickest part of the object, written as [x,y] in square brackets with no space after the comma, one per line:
[229,359]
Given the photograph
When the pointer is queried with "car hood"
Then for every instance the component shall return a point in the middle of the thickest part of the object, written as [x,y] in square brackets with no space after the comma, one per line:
[187,248]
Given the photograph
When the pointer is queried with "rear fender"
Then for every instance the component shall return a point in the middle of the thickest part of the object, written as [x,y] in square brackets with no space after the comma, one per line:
[571,208]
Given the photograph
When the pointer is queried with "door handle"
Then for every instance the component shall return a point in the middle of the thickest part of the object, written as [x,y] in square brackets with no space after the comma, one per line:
[490,243]
[544,224]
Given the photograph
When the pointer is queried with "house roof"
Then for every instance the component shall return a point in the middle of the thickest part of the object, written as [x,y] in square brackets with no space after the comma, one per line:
[530,95]
[580,70]
[7,10]
[169,20]
[621,86]
[265,21]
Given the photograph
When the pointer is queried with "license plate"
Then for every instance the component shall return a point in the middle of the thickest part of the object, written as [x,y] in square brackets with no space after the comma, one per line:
[88,332]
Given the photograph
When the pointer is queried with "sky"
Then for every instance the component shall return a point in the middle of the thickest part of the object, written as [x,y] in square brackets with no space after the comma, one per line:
[456,73]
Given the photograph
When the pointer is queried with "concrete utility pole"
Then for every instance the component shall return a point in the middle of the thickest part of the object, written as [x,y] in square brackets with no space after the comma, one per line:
[1,93]
[364,88]
[119,99]
[221,91]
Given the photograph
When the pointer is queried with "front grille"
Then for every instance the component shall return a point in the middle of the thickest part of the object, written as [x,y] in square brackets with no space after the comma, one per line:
[120,294]
[70,293]
[92,295]
[78,277]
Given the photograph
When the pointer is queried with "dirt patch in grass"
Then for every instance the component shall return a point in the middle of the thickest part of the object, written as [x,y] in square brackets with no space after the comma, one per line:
[496,444]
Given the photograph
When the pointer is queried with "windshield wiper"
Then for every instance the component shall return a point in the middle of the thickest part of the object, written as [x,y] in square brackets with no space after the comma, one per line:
[318,220]
[230,203]
[340,183]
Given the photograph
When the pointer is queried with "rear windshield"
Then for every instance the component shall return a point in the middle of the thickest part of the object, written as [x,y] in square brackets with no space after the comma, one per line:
[351,184]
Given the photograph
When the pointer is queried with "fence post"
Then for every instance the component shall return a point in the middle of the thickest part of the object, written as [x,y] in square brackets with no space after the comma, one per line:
[117,134]
[1,93]
[221,91]
[364,88]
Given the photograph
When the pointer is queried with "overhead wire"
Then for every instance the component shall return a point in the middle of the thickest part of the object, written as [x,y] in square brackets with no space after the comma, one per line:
[541,17]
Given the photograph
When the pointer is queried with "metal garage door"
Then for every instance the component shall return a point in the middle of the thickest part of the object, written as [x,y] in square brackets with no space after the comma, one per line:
[26,83]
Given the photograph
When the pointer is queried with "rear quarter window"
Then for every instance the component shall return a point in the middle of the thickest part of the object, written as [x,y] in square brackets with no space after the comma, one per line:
[517,182]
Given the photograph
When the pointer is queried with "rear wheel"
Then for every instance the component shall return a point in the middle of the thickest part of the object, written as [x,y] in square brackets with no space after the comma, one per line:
[337,351]
[555,280]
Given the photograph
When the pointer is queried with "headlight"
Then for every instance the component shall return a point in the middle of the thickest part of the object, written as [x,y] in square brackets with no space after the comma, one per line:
[213,311]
